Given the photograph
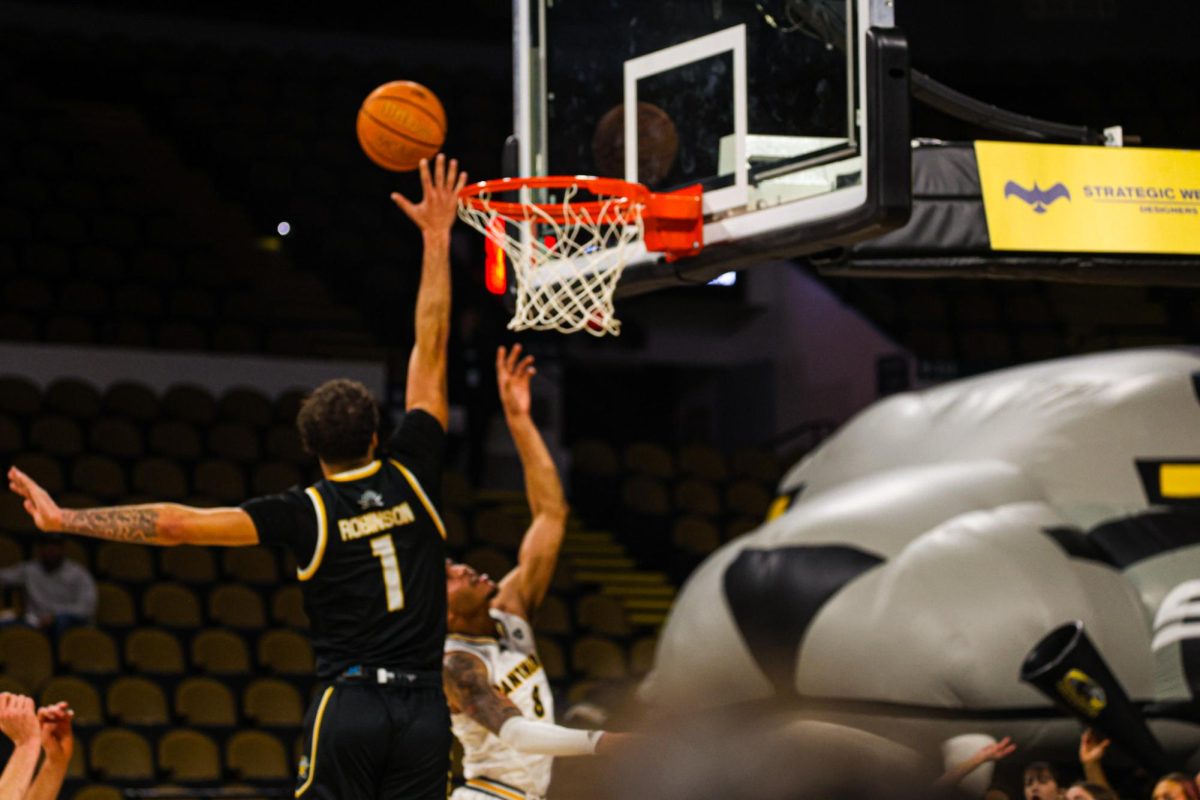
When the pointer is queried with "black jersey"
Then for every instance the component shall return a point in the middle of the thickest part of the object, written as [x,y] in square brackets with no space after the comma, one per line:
[371,549]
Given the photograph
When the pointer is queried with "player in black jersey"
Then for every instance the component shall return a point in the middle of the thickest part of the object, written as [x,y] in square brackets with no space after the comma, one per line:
[372,548]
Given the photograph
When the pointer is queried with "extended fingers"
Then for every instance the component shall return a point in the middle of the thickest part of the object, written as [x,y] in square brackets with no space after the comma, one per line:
[514,356]
[526,366]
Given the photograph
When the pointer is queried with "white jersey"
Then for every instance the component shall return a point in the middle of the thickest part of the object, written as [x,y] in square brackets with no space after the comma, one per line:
[515,671]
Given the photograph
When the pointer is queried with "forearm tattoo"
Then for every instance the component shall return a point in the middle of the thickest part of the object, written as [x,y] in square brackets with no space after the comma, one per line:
[137,524]
[476,697]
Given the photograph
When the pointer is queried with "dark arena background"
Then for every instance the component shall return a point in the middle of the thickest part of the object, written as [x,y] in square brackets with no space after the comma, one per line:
[191,238]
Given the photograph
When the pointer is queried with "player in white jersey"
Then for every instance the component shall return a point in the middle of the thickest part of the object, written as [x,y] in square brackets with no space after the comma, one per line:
[501,707]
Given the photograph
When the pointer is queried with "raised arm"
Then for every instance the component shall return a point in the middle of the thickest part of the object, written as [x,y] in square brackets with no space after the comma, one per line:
[19,723]
[470,692]
[434,215]
[58,742]
[164,524]
[523,589]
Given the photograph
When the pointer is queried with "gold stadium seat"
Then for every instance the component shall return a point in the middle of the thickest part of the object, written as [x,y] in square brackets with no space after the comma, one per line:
[287,607]
[125,563]
[220,653]
[131,400]
[283,442]
[456,528]
[287,406]
[136,701]
[247,406]
[97,792]
[739,525]
[285,652]
[190,404]
[189,756]
[597,657]
[602,613]
[153,651]
[641,655]
[501,526]
[552,617]
[171,605]
[10,552]
[79,694]
[19,396]
[25,656]
[188,564]
[13,517]
[235,441]
[749,498]
[271,477]
[696,496]
[42,468]
[159,478]
[204,701]
[72,397]
[117,438]
[56,436]
[647,458]
[12,436]
[695,535]
[89,651]
[255,755]
[551,655]
[269,701]
[704,462]
[645,495]
[595,458]
[114,605]
[760,465]
[253,565]
[173,438]
[236,606]
[219,478]
[119,754]
[100,476]
[74,547]
[457,491]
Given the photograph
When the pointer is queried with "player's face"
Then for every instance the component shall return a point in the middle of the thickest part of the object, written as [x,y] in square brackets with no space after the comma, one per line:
[1169,790]
[466,589]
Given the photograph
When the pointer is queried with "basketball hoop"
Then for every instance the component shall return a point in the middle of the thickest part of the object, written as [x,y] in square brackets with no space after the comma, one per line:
[568,247]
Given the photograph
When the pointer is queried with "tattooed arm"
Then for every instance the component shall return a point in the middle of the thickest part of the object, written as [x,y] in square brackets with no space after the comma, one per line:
[470,692]
[164,524]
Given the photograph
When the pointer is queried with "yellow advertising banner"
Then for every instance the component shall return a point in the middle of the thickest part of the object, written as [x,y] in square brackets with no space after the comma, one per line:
[1090,199]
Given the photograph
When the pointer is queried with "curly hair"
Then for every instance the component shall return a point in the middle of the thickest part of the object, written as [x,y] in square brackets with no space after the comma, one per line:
[337,420]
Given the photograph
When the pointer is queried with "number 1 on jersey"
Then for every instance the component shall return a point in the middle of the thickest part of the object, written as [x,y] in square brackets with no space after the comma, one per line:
[385,551]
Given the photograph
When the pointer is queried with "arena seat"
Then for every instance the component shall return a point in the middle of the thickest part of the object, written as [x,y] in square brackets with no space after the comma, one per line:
[256,566]
[189,756]
[117,438]
[89,651]
[121,754]
[602,613]
[114,606]
[205,702]
[704,462]
[125,563]
[153,651]
[236,441]
[159,478]
[219,652]
[641,655]
[553,617]
[236,606]
[285,652]
[12,435]
[220,479]
[191,565]
[255,755]
[25,656]
[100,476]
[136,701]
[695,535]
[175,439]
[19,397]
[189,404]
[272,702]
[97,792]
[42,468]
[551,655]
[287,607]
[10,552]
[245,406]
[696,496]
[73,398]
[56,436]
[748,498]
[598,657]
[79,694]
[648,458]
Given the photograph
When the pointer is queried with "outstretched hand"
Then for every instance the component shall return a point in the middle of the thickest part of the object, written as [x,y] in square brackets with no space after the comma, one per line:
[512,377]
[57,738]
[17,720]
[46,514]
[1092,747]
[995,751]
[439,203]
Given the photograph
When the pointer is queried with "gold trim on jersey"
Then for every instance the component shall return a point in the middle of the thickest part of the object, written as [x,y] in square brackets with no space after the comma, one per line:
[416,485]
[312,759]
[357,473]
[322,535]
[495,789]
[472,639]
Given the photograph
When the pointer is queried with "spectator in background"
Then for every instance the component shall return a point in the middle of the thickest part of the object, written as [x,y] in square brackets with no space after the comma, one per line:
[1082,790]
[1091,755]
[1175,786]
[59,594]
[49,730]
[1041,782]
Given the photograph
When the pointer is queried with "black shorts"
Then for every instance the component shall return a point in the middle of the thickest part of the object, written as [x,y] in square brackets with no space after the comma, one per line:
[366,740]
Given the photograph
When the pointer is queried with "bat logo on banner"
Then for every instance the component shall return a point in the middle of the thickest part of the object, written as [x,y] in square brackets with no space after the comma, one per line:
[1037,197]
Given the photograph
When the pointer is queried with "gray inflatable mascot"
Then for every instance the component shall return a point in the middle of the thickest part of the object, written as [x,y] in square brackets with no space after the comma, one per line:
[927,547]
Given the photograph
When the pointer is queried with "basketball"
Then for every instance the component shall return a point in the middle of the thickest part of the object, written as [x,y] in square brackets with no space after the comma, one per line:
[658,143]
[400,123]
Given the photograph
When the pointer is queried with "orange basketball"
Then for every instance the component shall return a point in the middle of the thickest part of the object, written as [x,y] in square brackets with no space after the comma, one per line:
[399,124]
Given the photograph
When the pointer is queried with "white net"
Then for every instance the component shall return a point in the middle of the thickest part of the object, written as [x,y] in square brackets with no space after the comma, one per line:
[565,262]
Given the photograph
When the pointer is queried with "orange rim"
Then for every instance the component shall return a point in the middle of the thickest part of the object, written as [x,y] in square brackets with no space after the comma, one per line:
[623,198]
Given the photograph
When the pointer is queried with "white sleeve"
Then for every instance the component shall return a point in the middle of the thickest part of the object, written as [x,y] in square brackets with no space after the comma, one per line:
[545,739]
